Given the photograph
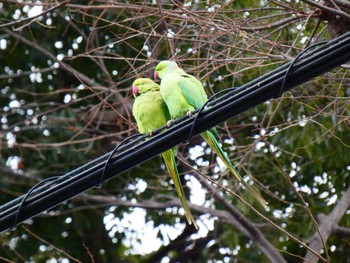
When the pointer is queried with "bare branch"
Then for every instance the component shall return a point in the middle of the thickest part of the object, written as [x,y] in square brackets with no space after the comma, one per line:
[44,241]
[328,9]
[81,77]
[285,21]
[343,3]
[106,200]
[327,224]
[244,225]
[341,231]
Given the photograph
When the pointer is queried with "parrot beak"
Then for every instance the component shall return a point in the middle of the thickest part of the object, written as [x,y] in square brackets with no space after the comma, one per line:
[135,90]
[155,76]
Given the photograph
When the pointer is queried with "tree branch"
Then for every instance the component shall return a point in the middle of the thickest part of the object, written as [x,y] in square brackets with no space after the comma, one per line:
[326,226]
[328,9]
[253,233]
[241,222]
[179,244]
[80,76]
[278,23]
[343,3]
[341,231]
[153,204]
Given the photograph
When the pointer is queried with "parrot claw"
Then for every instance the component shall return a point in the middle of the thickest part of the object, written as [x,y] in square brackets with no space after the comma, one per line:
[150,134]
[169,123]
[189,114]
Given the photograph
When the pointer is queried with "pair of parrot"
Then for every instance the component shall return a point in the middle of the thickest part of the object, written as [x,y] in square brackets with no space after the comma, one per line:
[178,94]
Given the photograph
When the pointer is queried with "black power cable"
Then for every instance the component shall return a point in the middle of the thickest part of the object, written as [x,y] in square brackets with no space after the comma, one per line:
[129,154]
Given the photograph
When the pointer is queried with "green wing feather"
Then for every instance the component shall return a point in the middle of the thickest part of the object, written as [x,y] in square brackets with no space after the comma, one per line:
[192,90]
[170,162]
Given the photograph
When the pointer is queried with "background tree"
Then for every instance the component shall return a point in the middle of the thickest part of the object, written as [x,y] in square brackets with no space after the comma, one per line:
[65,76]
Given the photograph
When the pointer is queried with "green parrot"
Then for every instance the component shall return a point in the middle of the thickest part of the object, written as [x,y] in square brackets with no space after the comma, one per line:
[182,94]
[150,113]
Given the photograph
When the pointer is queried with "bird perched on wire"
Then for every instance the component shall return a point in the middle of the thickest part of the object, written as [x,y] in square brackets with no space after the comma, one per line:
[183,93]
[150,113]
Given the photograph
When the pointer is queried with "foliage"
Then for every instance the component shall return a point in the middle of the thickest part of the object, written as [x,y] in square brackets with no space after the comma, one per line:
[65,76]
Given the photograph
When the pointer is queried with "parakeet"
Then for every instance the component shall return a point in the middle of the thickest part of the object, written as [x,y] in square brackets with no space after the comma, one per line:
[150,113]
[183,93]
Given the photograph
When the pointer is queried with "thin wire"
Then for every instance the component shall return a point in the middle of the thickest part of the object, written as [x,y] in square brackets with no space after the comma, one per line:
[156,131]
[111,154]
[299,56]
[199,111]
[37,188]
[53,180]
[15,222]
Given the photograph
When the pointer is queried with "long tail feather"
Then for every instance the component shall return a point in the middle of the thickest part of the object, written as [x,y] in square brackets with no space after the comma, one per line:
[209,137]
[169,159]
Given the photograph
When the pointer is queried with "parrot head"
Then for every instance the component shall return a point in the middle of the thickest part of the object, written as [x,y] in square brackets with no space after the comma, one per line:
[164,67]
[143,85]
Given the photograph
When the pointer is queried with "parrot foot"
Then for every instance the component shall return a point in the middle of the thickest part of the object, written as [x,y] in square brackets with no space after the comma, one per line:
[169,123]
[189,114]
[150,134]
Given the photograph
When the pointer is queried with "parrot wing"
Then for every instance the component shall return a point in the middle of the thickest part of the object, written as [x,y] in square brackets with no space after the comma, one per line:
[192,89]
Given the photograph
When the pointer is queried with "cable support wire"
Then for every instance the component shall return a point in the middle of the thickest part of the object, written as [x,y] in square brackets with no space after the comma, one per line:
[134,150]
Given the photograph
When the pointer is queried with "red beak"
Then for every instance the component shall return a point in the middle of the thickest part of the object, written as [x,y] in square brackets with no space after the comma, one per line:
[135,90]
[155,76]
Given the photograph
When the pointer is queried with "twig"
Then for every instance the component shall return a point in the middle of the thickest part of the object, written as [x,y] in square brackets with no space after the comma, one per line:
[51,245]
[327,225]
[328,9]
[255,232]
